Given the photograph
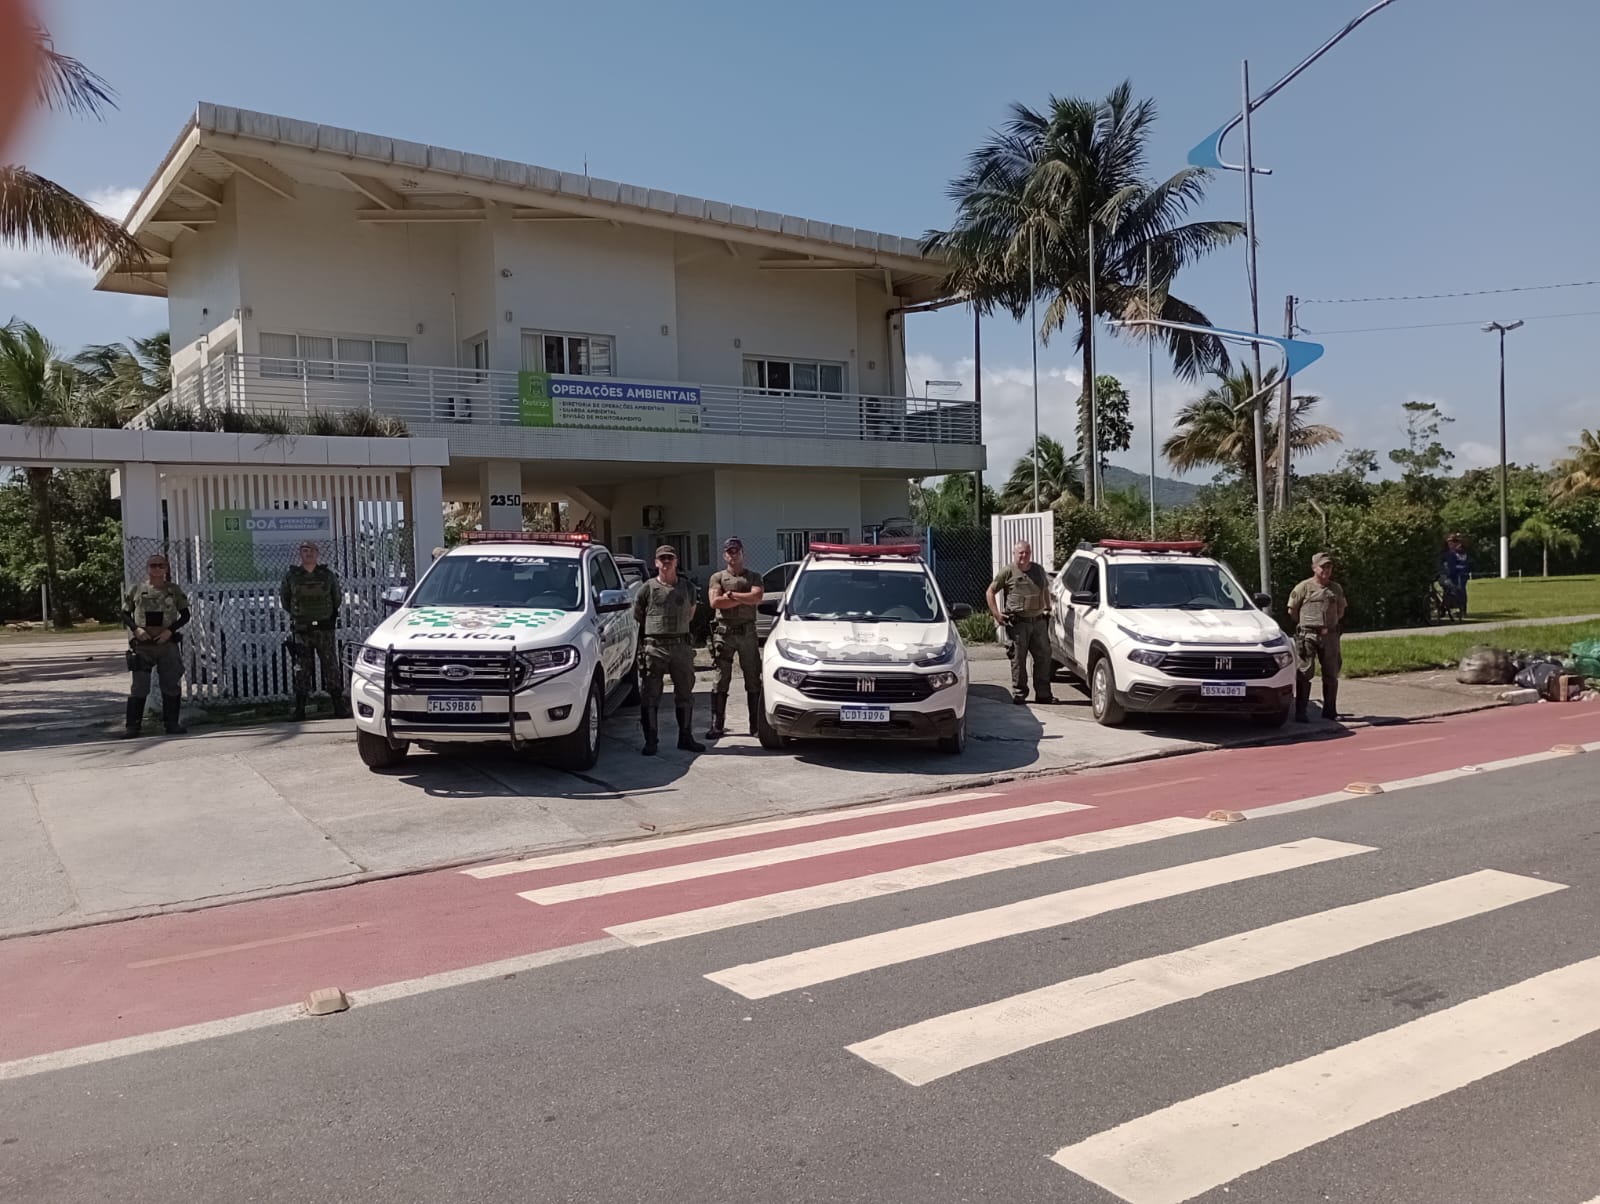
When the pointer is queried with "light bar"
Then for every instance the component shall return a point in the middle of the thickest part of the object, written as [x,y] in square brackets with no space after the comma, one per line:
[1140,545]
[874,551]
[556,537]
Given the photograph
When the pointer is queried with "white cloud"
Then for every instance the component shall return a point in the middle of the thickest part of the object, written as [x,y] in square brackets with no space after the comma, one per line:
[32,267]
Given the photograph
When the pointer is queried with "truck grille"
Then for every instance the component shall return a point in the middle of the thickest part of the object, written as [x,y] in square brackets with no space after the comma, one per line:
[472,672]
[866,687]
[1220,666]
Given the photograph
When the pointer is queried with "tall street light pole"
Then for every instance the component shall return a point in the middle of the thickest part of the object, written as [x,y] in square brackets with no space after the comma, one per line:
[1258,425]
[1502,328]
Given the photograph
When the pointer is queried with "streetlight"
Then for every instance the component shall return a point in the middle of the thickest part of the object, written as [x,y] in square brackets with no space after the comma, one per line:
[1502,328]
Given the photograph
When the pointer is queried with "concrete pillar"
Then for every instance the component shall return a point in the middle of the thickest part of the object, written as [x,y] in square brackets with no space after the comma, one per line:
[141,517]
[427,514]
[500,495]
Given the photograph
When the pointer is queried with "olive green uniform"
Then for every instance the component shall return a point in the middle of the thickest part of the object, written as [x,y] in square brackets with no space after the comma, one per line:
[1318,612]
[1024,598]
[312,600]
[155,608]
[663,613]
[733,633]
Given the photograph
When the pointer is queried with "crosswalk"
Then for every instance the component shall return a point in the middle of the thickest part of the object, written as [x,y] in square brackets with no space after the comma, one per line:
[1173,1153]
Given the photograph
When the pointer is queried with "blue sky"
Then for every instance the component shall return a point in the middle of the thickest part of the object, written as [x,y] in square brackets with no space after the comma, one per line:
[1441,148]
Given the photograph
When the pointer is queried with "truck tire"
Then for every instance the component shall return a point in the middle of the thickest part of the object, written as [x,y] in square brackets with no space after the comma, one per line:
[377,753]
[580,748]
[1103,693]
[767,734]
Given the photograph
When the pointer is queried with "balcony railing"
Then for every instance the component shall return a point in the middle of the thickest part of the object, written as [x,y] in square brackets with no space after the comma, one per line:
[419,395]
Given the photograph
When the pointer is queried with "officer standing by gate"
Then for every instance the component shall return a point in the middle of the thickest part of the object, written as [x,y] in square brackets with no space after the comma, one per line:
[1317,607]
[663,608]
[154,611]
[1026,616]
[310,594]
[735,592]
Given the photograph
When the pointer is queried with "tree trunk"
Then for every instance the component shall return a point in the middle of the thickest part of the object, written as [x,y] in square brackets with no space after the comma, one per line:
[1086,443]
[39,486]
[1546,548]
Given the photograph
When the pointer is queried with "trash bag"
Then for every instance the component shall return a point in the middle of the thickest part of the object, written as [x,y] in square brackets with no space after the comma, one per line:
[1586,658]
[1540,675]
[1486,666]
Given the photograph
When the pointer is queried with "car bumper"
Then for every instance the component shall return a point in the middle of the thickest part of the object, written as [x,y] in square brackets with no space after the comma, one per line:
[800,716]
[1186,697]
[548,710]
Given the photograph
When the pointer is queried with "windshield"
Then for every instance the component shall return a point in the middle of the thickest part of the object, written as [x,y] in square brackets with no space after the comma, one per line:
[503,581]
[865,596]
[1162,586]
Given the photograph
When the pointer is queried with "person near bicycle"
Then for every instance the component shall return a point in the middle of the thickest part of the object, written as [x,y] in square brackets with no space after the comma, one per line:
[1454,573]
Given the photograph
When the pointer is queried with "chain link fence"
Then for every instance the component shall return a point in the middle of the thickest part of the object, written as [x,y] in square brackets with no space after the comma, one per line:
[234,648]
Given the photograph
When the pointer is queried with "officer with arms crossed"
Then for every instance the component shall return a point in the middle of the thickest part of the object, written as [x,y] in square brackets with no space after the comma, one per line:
[153,612]
[1317,607]
[311,596]
[735,593]
[1026,615]
[663,608]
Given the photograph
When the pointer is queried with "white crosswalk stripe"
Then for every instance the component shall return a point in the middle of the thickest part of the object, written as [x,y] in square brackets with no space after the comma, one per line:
[1182,1151]
[826,963]
[887,882]
[661,875]
[932,1049]
[685,840]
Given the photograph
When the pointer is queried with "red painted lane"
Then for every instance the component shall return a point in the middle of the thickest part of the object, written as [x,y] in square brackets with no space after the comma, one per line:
[83,986]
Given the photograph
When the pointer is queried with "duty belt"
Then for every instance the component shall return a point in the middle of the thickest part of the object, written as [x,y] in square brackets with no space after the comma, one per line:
[1315,630]
[743,626]
[666,639]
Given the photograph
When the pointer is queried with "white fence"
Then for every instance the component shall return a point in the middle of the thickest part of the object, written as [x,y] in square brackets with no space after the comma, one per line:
[1008,530]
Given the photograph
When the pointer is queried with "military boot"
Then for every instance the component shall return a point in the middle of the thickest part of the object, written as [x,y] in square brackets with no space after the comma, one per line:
[752,701]
[171,704]
[719,717]
[1302,699]
[647,720]
[1330,700]
[299,708]
[340,710]
[686,740]
[135,720]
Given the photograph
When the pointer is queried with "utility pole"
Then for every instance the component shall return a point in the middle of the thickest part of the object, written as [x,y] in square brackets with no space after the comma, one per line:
[1284,403]
[1264,552]
[977,408]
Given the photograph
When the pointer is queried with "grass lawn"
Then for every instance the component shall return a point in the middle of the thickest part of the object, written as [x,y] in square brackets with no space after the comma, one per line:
[1404,653]
[1491,600]
[37,632]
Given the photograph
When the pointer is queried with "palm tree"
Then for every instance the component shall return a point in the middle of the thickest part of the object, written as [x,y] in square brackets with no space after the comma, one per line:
[1218,429]
[120,379]
[1547,533]
[1579,474]
[37,211]
[1039,184]
[1057,478]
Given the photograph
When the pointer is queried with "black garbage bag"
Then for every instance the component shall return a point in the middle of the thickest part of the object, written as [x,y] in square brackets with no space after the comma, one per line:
[1486,666]
[1538,675]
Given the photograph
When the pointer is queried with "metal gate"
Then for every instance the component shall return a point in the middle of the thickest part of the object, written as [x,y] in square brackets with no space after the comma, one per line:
[1008,530]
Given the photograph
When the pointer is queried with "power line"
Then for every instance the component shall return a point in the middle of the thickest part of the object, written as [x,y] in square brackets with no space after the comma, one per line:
[1480,292]
[1584,313]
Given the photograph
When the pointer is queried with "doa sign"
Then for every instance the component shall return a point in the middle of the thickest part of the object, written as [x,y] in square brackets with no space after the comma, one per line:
[251,545]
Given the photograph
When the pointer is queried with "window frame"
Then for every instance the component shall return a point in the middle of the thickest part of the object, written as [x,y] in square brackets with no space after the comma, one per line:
[806,536]
[763,362]
[299,366]
[567,336]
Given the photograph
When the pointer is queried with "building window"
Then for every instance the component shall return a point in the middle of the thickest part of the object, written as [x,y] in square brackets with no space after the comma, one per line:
[702,550]
[625,545]
[804,378]
[568,354]
[793,545]
[328,357]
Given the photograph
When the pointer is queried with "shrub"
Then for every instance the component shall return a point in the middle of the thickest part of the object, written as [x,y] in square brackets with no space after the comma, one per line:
[977,628]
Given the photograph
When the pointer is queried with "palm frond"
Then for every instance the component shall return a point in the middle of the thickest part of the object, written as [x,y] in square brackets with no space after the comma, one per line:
[66,85]
[35,211]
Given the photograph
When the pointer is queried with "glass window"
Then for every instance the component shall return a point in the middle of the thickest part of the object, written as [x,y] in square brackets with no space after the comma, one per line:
[1075,573]
[603,572]
[794,544]
[534,581]
[805,378]
[865,595]
[568,354]
[1161,585]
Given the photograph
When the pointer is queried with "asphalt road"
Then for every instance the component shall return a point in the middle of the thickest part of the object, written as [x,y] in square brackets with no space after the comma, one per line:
[631,1076]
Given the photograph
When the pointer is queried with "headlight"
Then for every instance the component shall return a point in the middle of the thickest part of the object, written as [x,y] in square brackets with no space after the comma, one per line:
[794,650]
[790,677]
[943,681]
[1277,641]
[1146,656]
[371,656]
[1145,639]
[1284,659]
[544,663]
[942,655]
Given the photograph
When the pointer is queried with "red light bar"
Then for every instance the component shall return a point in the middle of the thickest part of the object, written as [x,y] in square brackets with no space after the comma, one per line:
[559,537]
[880,551]
[1139,545]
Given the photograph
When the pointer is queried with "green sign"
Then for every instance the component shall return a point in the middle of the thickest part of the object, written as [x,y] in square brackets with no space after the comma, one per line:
[533,392]
[604,403]
[238,535]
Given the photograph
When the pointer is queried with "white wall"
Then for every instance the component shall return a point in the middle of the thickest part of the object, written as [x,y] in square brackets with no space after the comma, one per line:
[203,283]
[473,280]
[884,498]
[690,504]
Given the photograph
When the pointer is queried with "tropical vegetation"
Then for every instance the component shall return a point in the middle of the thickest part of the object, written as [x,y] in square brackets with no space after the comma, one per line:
[1217,430]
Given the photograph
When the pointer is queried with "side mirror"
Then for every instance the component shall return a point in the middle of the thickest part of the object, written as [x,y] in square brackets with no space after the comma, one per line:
[1262,601]
[960,611]
[393,599]
[1085,597]
[770,606]
[610,601]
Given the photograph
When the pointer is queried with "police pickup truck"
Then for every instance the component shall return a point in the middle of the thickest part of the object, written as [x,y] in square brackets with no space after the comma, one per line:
[526,639]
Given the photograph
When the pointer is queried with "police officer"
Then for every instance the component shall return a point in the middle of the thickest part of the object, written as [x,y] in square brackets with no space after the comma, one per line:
[735,592]
[1019,600]
[154,611]
[663,608]
[1317,607]
[310,594]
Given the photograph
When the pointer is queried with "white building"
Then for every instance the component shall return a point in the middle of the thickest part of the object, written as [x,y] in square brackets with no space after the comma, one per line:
[756,361]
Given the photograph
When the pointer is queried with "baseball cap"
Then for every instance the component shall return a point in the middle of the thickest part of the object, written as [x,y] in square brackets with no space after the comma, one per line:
[667,551]
[733,541]
[1320,559]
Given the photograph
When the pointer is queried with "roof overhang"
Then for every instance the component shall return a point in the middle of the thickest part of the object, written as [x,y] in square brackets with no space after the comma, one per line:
[401,182]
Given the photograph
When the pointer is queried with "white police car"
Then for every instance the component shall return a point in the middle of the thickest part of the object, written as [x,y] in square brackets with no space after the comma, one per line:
[864,647]
[518,638]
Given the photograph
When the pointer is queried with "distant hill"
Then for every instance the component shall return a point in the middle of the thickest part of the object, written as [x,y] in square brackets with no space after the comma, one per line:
[1168,491]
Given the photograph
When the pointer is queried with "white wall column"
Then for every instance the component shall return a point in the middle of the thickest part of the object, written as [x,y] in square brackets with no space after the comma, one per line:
[500,490]
[140,485]
[427,513]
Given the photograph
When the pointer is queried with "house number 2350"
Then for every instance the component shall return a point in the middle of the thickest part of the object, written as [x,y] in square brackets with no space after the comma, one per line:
[505,499]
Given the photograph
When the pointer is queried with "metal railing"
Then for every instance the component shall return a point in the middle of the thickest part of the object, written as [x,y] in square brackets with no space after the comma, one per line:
[420,394]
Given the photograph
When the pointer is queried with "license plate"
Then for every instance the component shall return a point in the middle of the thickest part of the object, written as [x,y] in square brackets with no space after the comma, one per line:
[863,714]
[454,706]
[1222,689]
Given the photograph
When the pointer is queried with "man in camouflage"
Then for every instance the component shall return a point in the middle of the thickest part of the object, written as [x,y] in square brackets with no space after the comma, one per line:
[735,592]
[1019,600]
[154,611]
[663,608]
[310,594]
[1317,607]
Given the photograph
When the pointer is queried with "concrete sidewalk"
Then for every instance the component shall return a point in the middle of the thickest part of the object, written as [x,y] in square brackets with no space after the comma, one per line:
[1450,628]
[106,828]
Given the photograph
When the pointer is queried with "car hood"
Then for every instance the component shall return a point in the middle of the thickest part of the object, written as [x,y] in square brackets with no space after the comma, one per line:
[416,628]
[849,643]
[1202,626]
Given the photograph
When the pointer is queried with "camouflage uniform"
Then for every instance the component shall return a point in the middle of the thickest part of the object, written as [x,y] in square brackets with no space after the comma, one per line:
[1024,600]
[733,633]
[154,608]
[1318,613]
[312,600]
[663,613]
